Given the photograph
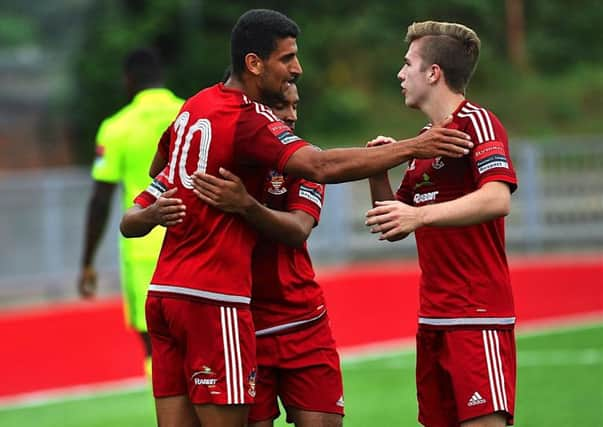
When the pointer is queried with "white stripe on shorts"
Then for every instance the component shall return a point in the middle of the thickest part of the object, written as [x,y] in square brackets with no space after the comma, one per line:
[232,356]
[495,370]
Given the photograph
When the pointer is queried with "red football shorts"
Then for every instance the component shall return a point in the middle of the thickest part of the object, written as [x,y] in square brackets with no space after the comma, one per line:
[464,374]
[302,368]
[206,351]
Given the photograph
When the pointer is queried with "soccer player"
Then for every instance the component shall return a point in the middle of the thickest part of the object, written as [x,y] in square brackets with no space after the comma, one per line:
[201,329]
[456,208]
[125,144]
[296,355]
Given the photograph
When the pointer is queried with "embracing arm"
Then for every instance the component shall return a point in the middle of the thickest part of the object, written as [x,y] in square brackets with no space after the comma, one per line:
[167,211]
[349,164]
[229,195]
[395,219]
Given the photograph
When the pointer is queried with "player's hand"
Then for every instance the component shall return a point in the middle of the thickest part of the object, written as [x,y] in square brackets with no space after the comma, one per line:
[393,219]
[441,141]
[86,284]
[380,140]
[227,193]
[167,210]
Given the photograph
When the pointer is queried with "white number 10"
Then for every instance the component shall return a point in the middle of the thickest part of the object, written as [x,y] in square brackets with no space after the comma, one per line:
[204,127]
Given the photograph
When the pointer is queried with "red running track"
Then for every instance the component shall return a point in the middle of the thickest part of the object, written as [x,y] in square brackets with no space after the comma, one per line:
[78,343]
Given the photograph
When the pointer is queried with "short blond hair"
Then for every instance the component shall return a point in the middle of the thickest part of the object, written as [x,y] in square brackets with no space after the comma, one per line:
[454,47]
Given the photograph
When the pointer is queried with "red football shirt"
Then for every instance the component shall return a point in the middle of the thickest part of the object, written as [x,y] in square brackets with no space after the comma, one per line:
[208,255]
[285,294]
[465,277]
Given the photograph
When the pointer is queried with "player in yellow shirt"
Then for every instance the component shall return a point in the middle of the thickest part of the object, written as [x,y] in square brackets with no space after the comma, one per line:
[125,145]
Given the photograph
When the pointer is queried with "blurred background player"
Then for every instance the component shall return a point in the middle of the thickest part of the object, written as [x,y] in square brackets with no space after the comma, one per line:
[296,355]
[125,144]
[456,207]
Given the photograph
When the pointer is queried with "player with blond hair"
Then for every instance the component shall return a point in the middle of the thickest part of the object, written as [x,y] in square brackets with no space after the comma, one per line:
[466,365]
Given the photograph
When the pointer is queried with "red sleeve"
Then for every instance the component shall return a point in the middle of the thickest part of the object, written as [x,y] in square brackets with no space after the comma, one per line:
[490,158]
[271,145]
[306,196]
[404,192]
[163,146]
[156,188]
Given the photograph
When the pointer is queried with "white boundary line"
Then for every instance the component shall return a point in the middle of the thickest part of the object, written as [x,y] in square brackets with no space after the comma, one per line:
[75,393]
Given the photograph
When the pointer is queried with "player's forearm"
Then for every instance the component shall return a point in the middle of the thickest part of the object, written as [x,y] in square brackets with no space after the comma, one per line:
[347,164]
[491,201]
[96,221]
[283,227]
[380,188]
[136,222]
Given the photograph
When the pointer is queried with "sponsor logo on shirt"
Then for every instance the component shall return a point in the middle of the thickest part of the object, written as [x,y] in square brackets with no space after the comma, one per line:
[425,197]
[492,162]
[283,133]
[311,194]
[340,402]
[487,149]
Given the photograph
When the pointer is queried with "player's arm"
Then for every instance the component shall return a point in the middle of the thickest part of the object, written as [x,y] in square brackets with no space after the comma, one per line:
[161,154]
[96,221]
[166,210]
[379,184]
[349,164]
[229,194]
[157,165]
[393,219]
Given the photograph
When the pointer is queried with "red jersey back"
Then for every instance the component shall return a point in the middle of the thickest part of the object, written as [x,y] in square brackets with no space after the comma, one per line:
[208,255]
[285,294]
[465,277]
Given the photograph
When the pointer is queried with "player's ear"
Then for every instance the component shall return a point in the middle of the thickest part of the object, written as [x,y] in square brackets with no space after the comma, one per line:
[254,64]
[435,73]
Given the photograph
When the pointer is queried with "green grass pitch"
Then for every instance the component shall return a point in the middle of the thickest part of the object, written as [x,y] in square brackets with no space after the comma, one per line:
[560,383]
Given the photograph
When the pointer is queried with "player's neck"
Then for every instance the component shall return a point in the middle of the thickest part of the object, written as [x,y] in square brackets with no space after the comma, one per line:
[245,85]
[442,105]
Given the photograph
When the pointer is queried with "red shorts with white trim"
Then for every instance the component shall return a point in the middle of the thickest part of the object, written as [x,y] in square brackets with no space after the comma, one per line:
[464,374]
[203,350]
[302,368]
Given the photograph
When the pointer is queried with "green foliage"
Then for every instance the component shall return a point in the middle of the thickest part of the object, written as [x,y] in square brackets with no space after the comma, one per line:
[351,53]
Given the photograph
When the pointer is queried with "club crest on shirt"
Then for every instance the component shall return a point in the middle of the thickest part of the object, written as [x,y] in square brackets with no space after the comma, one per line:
[276,183]
[437,163]
[251,381]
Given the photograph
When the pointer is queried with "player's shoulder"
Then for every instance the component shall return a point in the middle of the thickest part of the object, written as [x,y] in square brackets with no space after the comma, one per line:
[479,122]
[116,124]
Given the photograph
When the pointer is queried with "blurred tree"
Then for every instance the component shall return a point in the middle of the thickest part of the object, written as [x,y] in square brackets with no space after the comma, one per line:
[350,52]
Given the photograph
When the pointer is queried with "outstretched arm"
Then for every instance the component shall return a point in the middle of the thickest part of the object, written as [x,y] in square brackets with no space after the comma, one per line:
[394,219]
[167,211]
[349,164]
[229,194]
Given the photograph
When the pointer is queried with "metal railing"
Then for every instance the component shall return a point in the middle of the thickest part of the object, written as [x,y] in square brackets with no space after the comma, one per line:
[559,205]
